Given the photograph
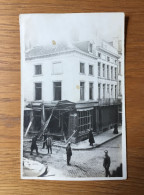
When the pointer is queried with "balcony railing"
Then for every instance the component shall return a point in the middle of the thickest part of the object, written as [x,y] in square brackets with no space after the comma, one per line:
[108,101]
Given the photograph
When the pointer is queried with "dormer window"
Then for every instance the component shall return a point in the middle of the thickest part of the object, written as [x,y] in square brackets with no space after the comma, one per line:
[90,47]
[99,55]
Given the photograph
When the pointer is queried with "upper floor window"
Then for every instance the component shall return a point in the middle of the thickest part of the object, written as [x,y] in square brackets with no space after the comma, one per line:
[107,71]
[91,91]
[90,47]
[91,69]
[111,72]
[99,90]
[108,89]
[99,68]
[119,67]
[38,91]
[115,73]
[112,91]
[115,91]
[82,85]
[108,58]
[103,70]
[57,68]
[99,55]
[57,90]
[119,87]
[82,67]
[38,69]
[103,90]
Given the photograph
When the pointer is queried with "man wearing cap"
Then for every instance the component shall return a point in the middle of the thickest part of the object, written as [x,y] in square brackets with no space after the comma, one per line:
[34,145]
[106,164]
[69,153]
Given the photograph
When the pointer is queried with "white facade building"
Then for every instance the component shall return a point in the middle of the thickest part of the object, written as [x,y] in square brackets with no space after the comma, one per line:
[83,73]
[81,76]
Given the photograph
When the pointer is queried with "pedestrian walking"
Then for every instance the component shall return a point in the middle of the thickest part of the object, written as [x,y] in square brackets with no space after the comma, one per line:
[69,153]
[91,138]
[34,145]
[49,144]
[115,129]
[106,164]
[44,140]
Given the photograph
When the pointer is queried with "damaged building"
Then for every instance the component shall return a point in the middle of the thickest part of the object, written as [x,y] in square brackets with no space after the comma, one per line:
[73,87]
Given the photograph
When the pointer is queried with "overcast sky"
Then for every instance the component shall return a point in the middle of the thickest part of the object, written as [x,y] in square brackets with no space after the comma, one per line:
[42,29]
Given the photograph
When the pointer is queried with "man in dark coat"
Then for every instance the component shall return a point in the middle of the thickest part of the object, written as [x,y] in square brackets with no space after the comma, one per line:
[115,129]
[106,164]
[44,141]
[34,145]
[91,138]
[69,153]
[49,144]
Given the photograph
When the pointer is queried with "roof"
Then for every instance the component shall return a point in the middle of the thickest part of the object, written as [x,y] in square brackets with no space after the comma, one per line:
[50,49]
[57,48]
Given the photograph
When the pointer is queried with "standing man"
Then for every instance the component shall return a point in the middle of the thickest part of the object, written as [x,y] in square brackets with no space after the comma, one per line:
[106,164]
[91,138]
[34,145]
[69,153]
[44,141]
[49,144]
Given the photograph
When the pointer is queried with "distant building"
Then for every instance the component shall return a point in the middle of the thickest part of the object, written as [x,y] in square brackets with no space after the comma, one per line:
[82,73]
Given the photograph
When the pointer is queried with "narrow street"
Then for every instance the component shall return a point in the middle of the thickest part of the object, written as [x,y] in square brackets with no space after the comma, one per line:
[88,163]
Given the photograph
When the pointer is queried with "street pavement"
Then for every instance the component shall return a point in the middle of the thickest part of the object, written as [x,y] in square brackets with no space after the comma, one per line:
[84,163]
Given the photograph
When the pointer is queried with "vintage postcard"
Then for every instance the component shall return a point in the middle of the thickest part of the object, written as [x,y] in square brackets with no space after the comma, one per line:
[73,96]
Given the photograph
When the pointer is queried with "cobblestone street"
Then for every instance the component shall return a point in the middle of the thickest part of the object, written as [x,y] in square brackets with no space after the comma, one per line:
[87,163]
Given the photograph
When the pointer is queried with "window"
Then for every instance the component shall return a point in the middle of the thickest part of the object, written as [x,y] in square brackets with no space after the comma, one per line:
[115,73]
[119,87]
[57,68]
[107,72]
[111,90]
[115,91]
[119,67]
[108,89]
[82,85]
[85,120]
[103,91]
[99,68]
[111,72]
[99,55]
[108,58]
[38,69]
[99,91]
[82,70]
[103,70]
[91,91]
[57,90]
[90,47]
[115,61]
[91,69]
[38,91]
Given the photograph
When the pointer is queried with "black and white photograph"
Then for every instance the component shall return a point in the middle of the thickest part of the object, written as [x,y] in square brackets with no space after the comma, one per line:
[73,124]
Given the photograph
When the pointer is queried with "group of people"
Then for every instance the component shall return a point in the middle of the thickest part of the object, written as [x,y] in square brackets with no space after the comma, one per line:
[47,141]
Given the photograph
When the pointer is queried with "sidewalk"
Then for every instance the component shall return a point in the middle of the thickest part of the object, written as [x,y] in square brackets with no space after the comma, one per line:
[99,140]
[84,145]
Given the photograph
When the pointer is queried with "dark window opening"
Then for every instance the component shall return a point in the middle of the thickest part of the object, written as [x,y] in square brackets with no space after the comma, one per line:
[82,68]
[57,90]
[38,69]
[38,91]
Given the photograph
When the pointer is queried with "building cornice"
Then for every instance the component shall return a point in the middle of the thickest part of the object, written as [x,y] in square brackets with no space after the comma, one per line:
[109,52]
[61,53]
